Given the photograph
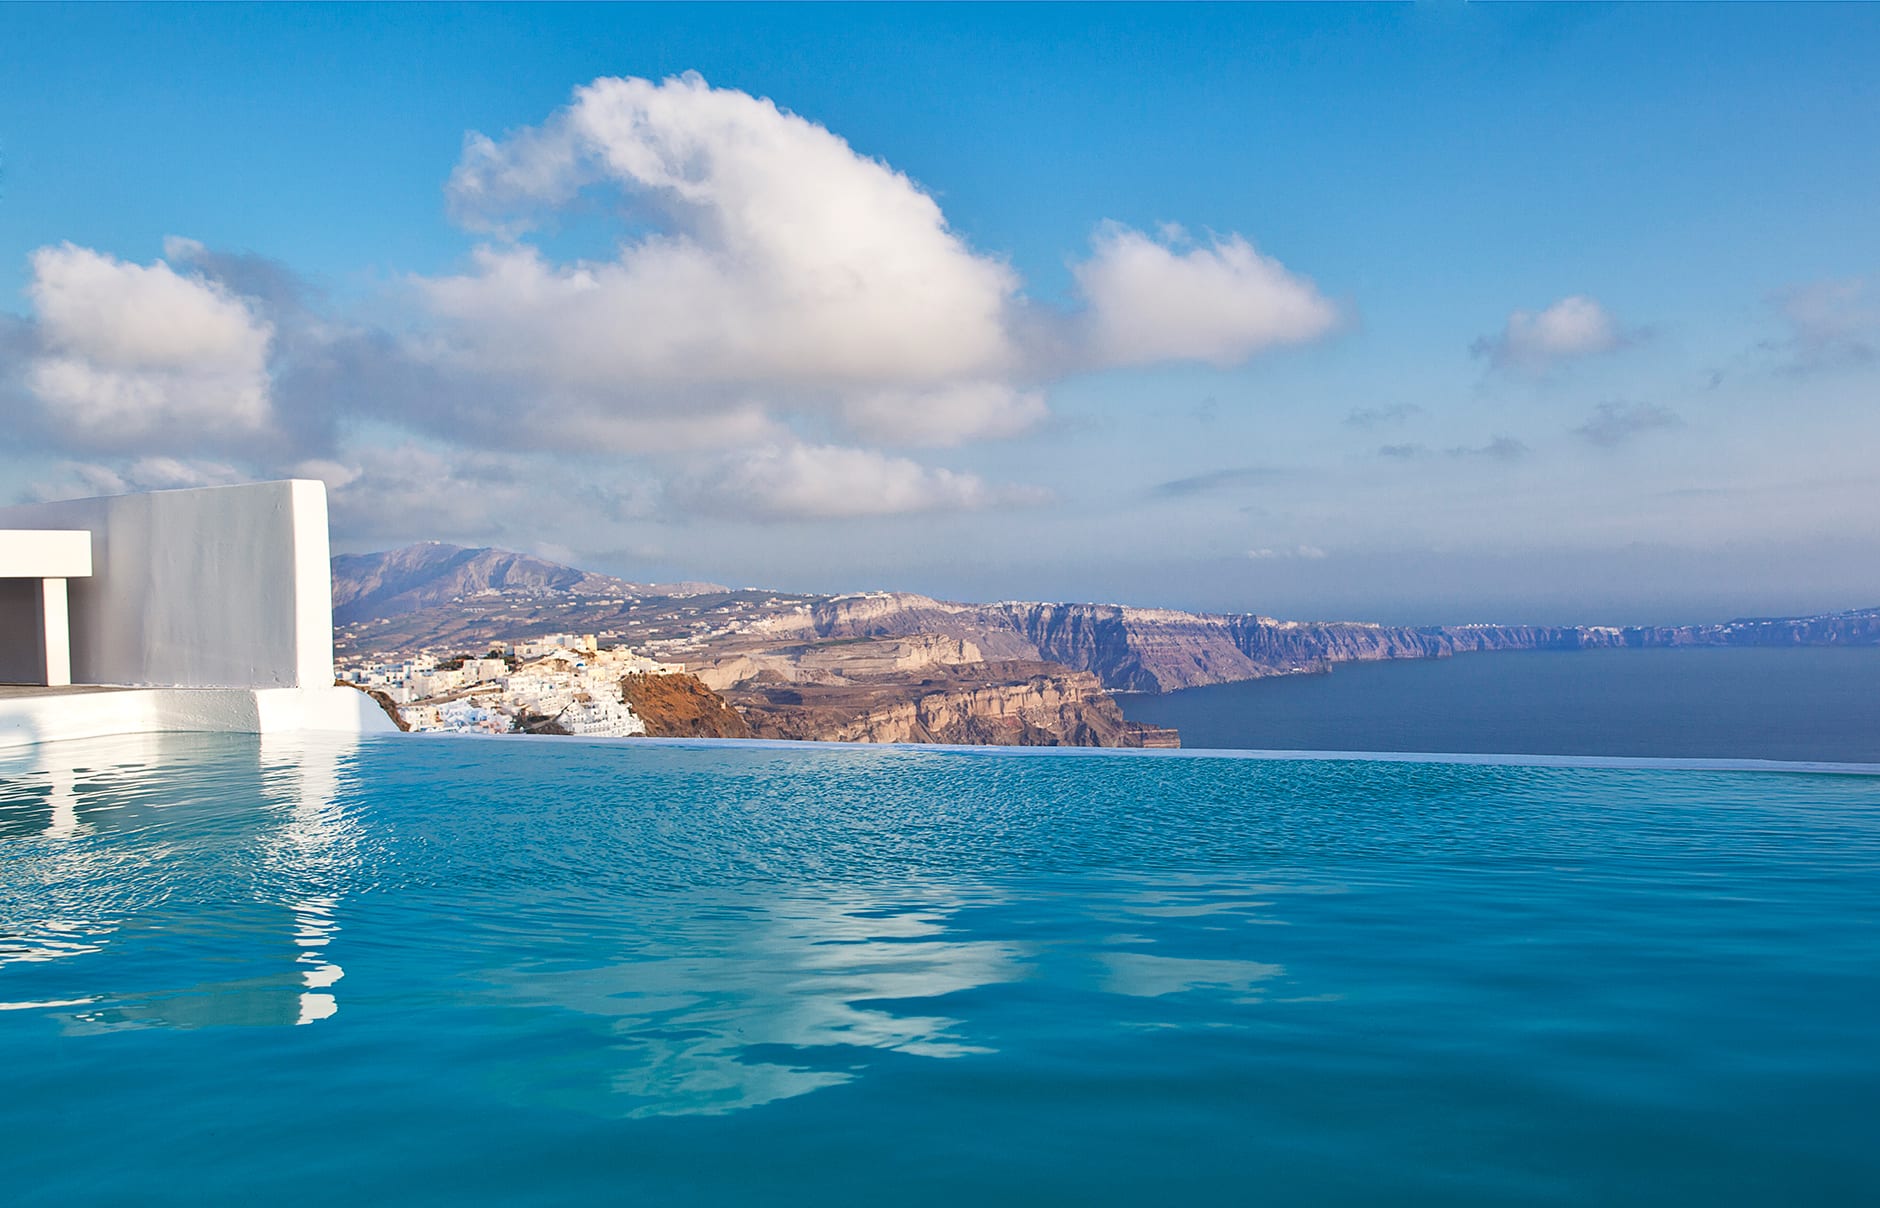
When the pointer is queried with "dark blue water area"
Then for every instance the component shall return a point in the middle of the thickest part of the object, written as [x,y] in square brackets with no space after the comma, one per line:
[1816,703]
[536,971]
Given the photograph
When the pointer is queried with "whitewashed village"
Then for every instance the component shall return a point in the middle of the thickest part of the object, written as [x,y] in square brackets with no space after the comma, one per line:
[560,683]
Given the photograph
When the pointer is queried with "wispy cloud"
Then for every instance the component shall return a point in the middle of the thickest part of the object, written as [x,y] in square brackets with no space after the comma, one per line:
[1831,325]
[78,478]
[1378,417]
[1216,480]
[1310,553]
[1502,448]
[1613,424]
[825,482]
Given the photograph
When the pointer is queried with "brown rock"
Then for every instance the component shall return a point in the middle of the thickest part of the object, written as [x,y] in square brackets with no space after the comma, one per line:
[679,706]
[1010,703]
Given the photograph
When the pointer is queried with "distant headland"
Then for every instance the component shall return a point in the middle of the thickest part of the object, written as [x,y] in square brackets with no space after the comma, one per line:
[899,667]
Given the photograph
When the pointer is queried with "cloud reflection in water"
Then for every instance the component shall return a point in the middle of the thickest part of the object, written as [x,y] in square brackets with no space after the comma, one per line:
[758,1011]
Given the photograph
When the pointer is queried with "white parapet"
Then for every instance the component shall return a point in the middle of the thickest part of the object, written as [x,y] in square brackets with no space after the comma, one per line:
[225,587]
[205,610]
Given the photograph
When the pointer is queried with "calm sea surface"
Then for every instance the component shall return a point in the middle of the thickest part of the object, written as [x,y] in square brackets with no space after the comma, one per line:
[450,971]
[1794,704]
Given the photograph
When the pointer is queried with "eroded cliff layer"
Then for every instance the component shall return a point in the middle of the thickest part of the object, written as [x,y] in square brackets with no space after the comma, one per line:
[1004,703]
[749,642]
[679,706]
[1160,650]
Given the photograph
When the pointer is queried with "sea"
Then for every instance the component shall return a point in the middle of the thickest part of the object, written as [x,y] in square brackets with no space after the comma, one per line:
[1803,703]
[444,970]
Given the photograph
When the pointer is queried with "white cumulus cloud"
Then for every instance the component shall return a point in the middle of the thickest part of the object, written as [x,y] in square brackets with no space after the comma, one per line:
[775,318]
[1169,299]
[1571,328]
[763,263]
[765,258]
[126,351]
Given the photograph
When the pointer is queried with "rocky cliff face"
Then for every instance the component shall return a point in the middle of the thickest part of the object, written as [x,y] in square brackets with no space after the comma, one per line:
[1160,650]
[1010,704]
[1858,628]
[840,661]
[679,706]
[894,666]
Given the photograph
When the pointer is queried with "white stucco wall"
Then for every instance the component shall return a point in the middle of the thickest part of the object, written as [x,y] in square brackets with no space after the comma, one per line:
[210,587]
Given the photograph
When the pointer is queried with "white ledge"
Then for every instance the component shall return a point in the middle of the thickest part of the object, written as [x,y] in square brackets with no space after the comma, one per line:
[45,554]
[28,718]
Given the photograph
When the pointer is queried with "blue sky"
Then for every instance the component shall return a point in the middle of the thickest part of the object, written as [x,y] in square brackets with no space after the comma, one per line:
[1548,313]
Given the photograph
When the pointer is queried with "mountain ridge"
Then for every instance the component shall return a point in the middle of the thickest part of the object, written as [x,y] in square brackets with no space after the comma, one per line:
[398,581]
[735,638]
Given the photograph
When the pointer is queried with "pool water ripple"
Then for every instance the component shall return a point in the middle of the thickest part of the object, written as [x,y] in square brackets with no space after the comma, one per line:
[514,972]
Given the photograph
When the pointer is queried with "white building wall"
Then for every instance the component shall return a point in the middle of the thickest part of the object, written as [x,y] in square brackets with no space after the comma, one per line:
[210,587]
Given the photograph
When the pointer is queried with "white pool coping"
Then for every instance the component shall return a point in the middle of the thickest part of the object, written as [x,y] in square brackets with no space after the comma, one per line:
[97,712]
[1641,763]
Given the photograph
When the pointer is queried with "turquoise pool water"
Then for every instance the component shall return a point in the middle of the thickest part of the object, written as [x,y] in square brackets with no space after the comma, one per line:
[547,972]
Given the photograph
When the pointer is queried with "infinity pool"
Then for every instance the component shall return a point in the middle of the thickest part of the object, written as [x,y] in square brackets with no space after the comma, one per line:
[456,971]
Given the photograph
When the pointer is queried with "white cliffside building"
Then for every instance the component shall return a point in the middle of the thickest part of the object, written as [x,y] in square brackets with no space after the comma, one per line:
[208,610]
